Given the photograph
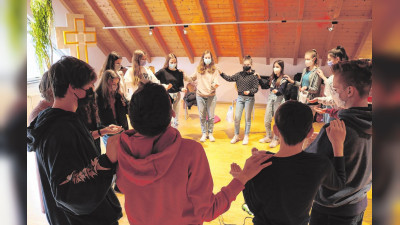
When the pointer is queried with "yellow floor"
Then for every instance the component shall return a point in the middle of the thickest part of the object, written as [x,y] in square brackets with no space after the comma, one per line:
[220,155]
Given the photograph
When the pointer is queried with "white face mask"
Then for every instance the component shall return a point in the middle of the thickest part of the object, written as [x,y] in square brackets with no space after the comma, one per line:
[207,61]
[330,63]
[308,63]
[172,65]
[339,103]
[277,70]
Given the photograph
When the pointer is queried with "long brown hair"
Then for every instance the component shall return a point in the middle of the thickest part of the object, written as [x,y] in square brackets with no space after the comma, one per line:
[281,63]
[202,67]
[109,64]
[104,87]
[136,73]
[169,57]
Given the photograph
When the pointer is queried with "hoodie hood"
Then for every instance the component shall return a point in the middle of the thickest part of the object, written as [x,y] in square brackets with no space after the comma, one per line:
[143,160]
[46,119]
[359,119]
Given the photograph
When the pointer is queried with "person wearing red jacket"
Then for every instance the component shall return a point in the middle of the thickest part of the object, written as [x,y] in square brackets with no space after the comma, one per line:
[165,178]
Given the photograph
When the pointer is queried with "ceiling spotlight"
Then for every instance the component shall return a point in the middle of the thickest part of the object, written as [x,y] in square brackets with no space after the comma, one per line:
[283,21]
[151,31]
[333,26]
[184,30]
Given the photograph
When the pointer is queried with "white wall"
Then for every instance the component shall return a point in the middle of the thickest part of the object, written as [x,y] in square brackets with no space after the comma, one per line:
[231,65]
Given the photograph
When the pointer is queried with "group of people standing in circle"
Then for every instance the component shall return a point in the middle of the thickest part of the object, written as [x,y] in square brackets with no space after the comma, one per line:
[117,84]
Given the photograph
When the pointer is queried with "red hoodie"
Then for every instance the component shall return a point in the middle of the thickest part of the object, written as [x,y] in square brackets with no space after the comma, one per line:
[166,179]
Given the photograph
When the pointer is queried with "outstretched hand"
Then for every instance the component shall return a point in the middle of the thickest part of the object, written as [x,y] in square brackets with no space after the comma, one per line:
[252,167]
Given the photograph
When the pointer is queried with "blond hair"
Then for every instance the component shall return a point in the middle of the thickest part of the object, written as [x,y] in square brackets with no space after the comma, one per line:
[202,67]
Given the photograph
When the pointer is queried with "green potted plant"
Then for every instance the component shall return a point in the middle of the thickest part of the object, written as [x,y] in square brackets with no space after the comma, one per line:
[41,29]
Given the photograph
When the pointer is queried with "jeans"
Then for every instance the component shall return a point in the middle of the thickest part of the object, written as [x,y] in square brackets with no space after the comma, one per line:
[318,218]
[175,107]
[272,105]
[206,107]
[247,103]
[105,139]
[326,116]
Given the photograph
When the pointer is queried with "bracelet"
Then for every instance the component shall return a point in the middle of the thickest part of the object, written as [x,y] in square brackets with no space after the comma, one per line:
[98,131]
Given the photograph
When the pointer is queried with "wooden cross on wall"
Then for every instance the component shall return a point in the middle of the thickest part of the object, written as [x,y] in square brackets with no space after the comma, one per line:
[77,37]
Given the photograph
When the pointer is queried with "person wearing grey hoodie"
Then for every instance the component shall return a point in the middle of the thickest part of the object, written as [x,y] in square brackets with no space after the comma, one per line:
[351,86]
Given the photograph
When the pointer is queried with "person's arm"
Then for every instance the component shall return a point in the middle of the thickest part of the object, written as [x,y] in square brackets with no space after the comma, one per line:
[336,177]
[232,78]
[78,184]
[315,86]
[200,185]
[254,88]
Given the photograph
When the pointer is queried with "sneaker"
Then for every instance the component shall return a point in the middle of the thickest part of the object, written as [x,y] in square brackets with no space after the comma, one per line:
[203,138]
[274,143]
[235,139]
[265,140]
[245,140]
[211,137]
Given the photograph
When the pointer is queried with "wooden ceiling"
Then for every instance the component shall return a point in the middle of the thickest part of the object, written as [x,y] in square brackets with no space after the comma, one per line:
[270,40]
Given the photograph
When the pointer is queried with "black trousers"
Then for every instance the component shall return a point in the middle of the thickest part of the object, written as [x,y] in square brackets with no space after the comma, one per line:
[318,218]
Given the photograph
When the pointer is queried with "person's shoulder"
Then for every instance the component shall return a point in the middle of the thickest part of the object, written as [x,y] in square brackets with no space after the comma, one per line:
[191,145]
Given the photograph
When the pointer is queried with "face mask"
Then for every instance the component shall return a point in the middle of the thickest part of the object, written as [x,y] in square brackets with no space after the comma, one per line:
[172,65]
[246,68]
[330,63]
[308,63]
[142,62]
[339,103]
[207,61]
[89,96]
[277,70]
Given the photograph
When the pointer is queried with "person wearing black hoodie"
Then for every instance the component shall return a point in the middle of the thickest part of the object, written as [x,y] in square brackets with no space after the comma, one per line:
[247,86]
[351,85]
[75,177]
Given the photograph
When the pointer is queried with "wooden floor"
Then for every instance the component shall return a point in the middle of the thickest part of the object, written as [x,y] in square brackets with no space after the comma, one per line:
[220,155]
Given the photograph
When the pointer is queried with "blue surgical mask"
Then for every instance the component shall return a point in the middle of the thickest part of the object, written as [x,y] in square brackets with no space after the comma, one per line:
[172,65]
[330,63]
[207,61]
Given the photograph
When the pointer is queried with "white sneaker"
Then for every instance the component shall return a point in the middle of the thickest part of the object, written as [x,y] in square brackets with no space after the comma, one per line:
[235,139]
[274,143]
[211,137]
[245,140]
[265,140]
[203,138]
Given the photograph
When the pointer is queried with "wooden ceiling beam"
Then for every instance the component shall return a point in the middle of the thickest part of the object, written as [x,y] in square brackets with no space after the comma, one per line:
[298,32]
[117,39]
[363,38]
[238,36]
[173,14]
[132,32]
[210,36]
[71,9]
[328,42]
[267,37]
[144,11]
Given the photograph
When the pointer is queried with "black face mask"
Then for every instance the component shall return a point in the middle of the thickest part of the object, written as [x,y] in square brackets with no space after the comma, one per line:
[88,98]
[246,68]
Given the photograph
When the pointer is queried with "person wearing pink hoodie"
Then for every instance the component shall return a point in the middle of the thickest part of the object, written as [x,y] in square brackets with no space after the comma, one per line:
[165,178]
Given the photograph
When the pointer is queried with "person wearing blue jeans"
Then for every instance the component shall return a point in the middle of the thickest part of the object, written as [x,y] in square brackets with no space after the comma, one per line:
[275,99]
[247,86]
[206,107]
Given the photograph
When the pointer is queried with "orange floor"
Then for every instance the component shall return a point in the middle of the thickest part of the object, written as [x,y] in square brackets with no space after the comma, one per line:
[220,155]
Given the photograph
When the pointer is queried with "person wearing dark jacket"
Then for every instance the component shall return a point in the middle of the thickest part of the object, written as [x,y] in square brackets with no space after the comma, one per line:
[282,194]
[170,74]
[75,177]
[247,86]
[275,99]
[351,85]
[111,105]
